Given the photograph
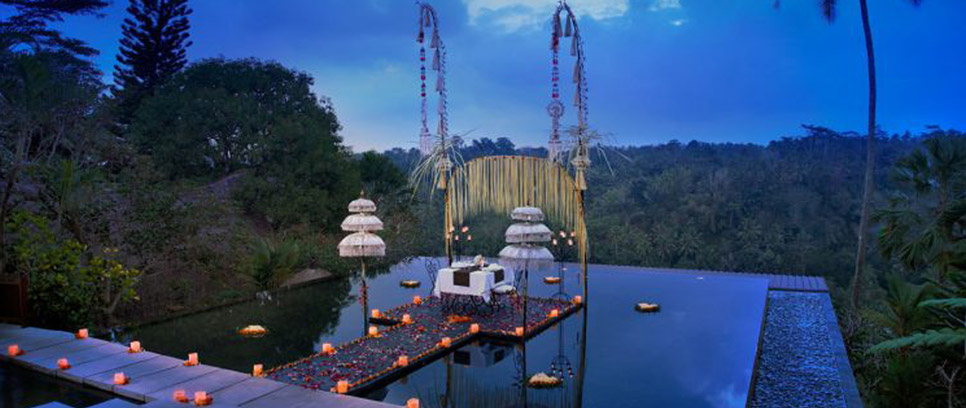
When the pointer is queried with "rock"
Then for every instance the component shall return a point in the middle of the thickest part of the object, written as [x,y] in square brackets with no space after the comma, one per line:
[306,276]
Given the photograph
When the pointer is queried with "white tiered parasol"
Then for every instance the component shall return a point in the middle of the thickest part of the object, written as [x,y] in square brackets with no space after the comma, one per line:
[362,243]
[524,251]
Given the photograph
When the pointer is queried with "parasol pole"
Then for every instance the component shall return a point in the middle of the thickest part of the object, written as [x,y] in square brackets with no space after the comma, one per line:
[365,300]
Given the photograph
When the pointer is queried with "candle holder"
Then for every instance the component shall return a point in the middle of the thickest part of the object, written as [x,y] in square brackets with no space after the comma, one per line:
[192,360]
[120,379]
[180,396]
[554,313]
[81,334]
[417,300]
[63,364]
[519,332]
[474,328]
[402,361]
[376,314]
[412,403]
[202,399]
[578,300]
[373,331]
[14,350]
[135,347]
[406,319]
[446,342]
[342,387]
[327,348]
[257,370]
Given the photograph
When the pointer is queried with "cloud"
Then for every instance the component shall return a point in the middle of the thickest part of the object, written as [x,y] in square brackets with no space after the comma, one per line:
[515,15]
[679,22]
[659,5]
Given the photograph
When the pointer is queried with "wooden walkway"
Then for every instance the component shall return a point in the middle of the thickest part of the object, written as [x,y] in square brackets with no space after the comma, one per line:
[154,377]
[370,362]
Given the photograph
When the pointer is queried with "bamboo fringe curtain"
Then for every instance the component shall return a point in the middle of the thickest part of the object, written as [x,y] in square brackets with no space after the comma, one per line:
[501,183]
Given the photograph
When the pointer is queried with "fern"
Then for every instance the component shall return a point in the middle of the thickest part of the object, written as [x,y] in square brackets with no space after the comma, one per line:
[944,303]
[943,337]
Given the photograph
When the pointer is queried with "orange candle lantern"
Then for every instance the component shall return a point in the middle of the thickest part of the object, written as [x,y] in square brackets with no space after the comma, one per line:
[554,313]
[403,361]
[376,313]
[81,334]
[417,300]
[407,319]
[120,379]
[327,348]
[135,347]
[578,299]
[13,350]
[446,342]
[63,364]
[474,328]
[202,398]
[180,396]
[519,332]
[342,387]
[373,331]
[412,403]
[257,370]
[192,359]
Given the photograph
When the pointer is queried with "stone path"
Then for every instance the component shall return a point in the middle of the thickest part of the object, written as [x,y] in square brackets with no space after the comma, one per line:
[153,377]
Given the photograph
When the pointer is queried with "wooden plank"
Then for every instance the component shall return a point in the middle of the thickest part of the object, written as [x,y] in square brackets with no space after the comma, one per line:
[247,391]
[105,380]
[113,363]
[139,387]
[210,383]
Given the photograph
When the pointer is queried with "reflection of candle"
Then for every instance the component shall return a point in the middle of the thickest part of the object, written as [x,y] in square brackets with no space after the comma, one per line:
[201,398]
[519,332]
[577,299]
[179,396]
[193,359]
[81,334]
[407,319]
[412,403]
[403,361]
[63,364]
[13,350]
[446,342]
[120,379]
[373,331]
[257,370]
[135,347]
[554,313]
[327,348]
[376,314]
[342,387]
[474,328]
[417,300]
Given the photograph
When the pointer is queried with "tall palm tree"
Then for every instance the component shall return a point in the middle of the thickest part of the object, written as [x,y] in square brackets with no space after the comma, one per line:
[828,8]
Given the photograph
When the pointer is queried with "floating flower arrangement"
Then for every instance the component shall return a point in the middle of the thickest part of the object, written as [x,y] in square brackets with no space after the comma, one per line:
[253,330]
[409,283]
[541,380]
[645,307]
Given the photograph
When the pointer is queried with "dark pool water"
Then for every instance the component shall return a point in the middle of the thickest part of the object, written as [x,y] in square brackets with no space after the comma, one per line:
[699,351]
[20,387]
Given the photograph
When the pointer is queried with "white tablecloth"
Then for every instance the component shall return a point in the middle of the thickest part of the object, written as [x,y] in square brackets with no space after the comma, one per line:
[482,281]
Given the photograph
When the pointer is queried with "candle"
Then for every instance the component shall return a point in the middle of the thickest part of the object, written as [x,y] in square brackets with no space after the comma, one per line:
[519,332]
[403,361]
[376,313]
[63,364]
[135,347]
[578,299]
[201,398]
[257,370]
[179,396]
[554,313]
[474,328]
[120,379]
[81,334]
[417,300]
[446,342]
[373,331]
[192,359]
[327,348]
[412,403]
[342,387]
[407,319]
[13,350]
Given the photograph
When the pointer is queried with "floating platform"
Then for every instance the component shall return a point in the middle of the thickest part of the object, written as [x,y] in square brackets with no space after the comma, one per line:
[370,362]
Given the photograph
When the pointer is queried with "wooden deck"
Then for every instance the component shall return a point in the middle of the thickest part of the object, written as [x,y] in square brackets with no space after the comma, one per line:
[154,377]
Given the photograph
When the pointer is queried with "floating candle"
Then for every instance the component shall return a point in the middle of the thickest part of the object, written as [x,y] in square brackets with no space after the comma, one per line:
[180,396]
[13,350]
[446,342]
[376,313]
[519,332]
[63,364]
[257,370]
[407,319]
[342,387]
[412,403]
[474,328]
[120,379]
[403,361]
[192,359]
[81,334]
[135,347]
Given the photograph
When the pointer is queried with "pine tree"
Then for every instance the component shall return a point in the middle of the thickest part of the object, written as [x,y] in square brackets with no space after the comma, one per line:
[153,49]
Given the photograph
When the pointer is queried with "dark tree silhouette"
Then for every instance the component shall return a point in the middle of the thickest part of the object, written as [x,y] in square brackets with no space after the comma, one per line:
[29,25]
[152,50]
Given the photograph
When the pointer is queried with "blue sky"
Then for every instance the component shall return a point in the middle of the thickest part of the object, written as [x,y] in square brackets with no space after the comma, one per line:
[709,70]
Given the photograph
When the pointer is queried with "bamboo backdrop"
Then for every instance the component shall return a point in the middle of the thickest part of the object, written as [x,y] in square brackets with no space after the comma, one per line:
[499,184]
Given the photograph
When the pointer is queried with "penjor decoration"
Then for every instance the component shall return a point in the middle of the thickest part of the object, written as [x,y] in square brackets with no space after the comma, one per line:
[564,25]
[429,20]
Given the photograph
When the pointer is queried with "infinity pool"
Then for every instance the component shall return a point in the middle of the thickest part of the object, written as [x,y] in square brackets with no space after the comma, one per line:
[698,351]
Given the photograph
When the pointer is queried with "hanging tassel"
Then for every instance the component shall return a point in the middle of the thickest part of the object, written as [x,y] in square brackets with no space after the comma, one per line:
[557,27]
[568,31]
[419,38]
[554,42]
[573,47]
[427,18]
[577,72]
[436,60]
[440,85]
[434,43]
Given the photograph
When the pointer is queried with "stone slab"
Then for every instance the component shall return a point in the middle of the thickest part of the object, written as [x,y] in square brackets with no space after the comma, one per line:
[298,397]
[141,386]
[115,403]
[210,383]
[38,359]
[112,364]
[105,380]
[81,357]
[247,390]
